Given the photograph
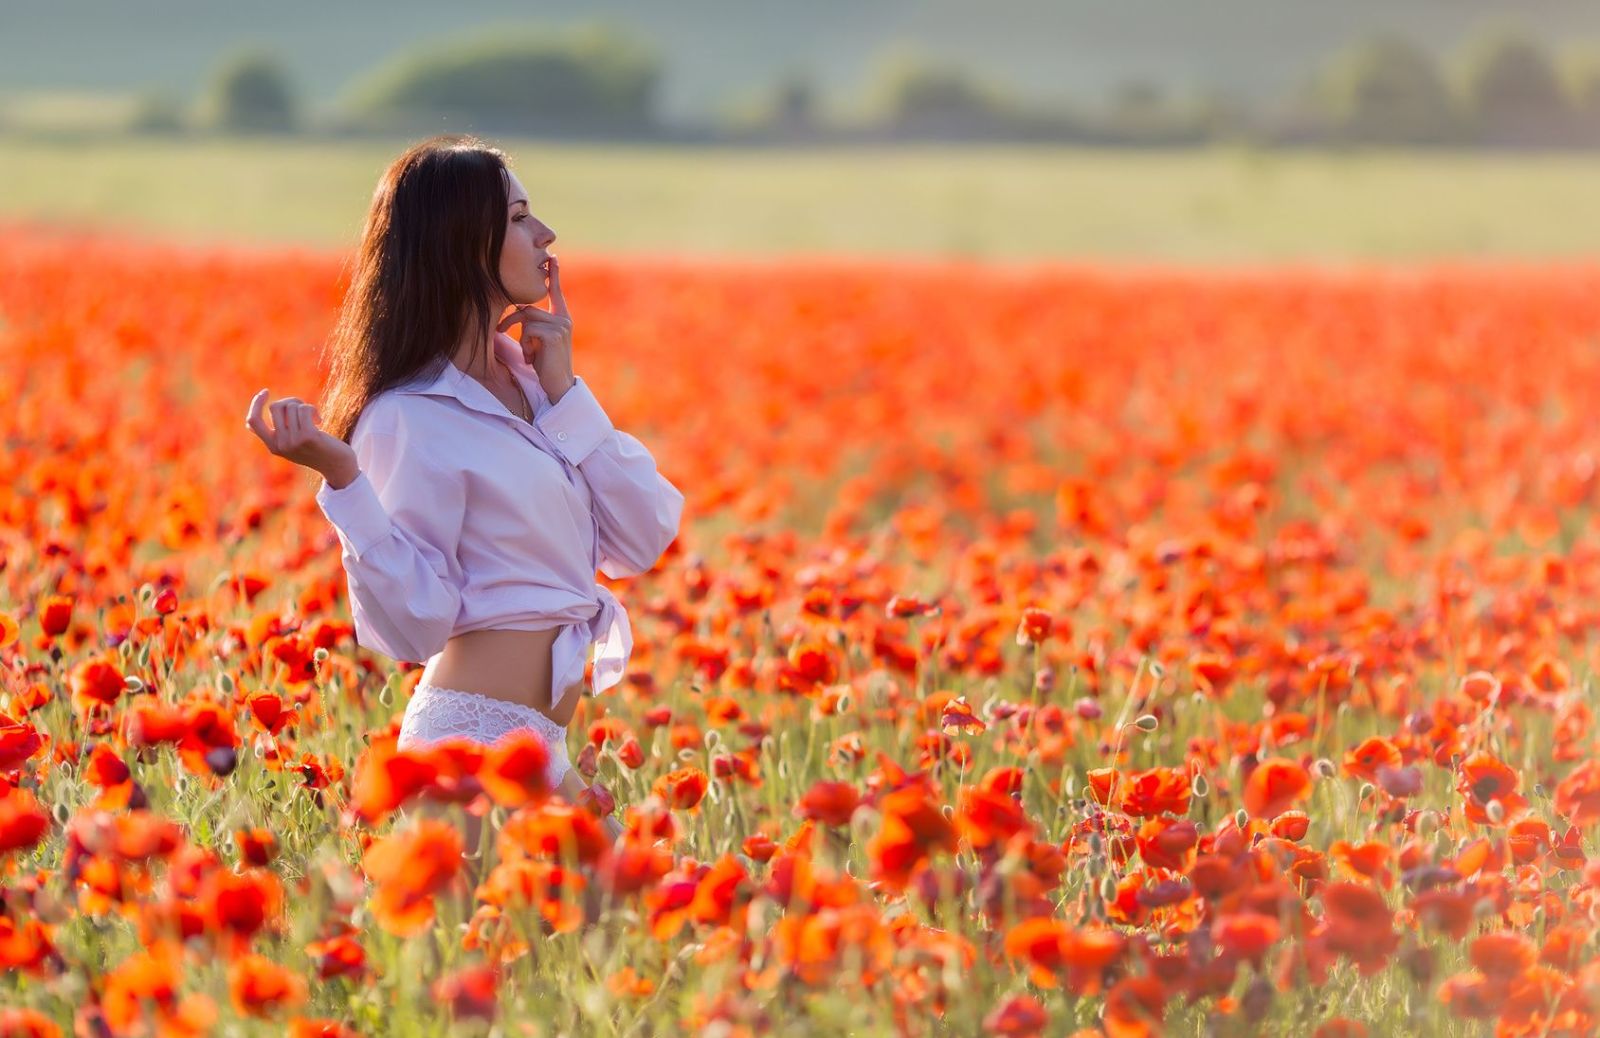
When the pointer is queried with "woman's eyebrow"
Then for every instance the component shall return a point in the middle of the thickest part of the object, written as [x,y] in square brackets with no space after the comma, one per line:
[514,201]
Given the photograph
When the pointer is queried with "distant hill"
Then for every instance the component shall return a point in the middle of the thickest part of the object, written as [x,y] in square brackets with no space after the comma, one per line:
[717,50]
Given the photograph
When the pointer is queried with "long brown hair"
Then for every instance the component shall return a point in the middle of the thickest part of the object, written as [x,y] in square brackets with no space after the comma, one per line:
[428,265]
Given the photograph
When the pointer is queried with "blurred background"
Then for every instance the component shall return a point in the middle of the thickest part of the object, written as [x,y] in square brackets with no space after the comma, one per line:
[1230,131]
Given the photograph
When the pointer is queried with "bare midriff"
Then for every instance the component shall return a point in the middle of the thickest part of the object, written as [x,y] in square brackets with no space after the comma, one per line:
[509,665]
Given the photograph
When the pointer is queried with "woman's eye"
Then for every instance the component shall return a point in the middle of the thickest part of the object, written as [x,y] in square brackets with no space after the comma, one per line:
[522,216]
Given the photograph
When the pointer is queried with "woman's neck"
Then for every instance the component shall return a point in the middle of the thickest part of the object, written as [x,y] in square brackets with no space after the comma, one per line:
[479,360]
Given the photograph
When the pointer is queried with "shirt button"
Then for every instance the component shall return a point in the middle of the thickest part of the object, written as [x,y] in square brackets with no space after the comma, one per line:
[561,435]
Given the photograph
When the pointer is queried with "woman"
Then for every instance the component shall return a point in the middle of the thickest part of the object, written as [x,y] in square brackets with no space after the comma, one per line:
[473,480]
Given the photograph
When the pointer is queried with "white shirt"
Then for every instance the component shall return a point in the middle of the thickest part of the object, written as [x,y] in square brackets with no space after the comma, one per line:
[466,517]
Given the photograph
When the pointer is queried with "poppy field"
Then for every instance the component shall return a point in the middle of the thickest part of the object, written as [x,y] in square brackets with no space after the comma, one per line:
[1047,650]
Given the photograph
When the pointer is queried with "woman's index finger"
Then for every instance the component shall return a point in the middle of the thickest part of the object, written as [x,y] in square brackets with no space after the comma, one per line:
[257,404]
[255,420]
[558,301]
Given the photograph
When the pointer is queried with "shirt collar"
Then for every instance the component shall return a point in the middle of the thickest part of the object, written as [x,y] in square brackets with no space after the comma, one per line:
[451,381]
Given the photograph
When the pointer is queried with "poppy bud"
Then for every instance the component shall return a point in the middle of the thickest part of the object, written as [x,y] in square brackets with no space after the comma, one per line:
[1418,961]
[1257,1000]
[222,760]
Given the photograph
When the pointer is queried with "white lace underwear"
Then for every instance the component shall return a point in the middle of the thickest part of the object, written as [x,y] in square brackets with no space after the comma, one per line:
[435,713]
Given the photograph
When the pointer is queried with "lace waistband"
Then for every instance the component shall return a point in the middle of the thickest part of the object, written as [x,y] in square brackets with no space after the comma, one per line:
[435,713]
[477,710]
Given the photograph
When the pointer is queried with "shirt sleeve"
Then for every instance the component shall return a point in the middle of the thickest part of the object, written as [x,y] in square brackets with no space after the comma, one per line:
[637,507]
[398,522]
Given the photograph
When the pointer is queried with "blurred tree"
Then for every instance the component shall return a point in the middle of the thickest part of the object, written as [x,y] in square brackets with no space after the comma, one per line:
[913,91]
[1219,116]
[1581,75]
[1138,100]
[786,108]
[794,100]
[249,93]
[517,79]
[1141,112]
[1385,90]
[156,110]
[1511,90]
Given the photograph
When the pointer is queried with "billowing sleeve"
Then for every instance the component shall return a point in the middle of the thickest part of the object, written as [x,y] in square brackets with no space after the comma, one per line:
[637,507]
[398,523]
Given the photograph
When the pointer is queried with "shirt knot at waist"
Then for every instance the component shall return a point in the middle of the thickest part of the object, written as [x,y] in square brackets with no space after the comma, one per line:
[612,637]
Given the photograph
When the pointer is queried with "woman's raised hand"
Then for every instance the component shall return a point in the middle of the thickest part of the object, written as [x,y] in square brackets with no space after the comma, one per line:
[546,336]
[294,435]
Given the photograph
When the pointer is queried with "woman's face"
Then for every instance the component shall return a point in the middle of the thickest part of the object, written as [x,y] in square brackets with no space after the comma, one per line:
[526,246]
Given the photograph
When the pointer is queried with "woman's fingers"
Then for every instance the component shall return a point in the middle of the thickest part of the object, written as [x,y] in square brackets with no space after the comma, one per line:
[546,332]
[558,301]
[279,421]
[528,314]
[286,423]
[253,419]
[532,315]
[546,335]
[294,423]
